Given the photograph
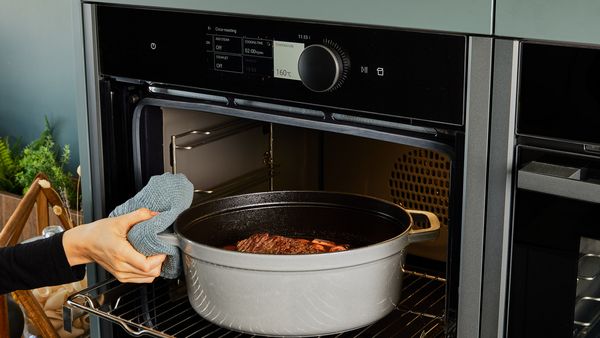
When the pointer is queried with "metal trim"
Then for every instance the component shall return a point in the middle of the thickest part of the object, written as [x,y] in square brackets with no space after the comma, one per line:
[94,121]
[557,180]
[92,166]
[500,189]
[479,76]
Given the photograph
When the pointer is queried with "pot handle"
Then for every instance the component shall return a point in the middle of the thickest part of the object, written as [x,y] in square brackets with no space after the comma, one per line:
[419,235]
[169,238]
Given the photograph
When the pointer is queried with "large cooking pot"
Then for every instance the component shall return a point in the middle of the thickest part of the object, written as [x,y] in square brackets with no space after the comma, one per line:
[296,295]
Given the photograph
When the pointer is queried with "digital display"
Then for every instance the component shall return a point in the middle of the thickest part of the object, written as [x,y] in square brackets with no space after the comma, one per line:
[252,55]
[258,47]
[228,44]
[285,59]
[228,63]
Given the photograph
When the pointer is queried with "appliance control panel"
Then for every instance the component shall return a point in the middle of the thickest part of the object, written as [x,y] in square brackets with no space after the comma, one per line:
[321,67]
[356,69]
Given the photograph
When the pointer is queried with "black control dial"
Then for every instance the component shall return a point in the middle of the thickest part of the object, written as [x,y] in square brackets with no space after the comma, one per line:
[323,67]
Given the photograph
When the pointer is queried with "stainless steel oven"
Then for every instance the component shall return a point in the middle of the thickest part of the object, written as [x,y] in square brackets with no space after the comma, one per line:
[555,266]
[246,103]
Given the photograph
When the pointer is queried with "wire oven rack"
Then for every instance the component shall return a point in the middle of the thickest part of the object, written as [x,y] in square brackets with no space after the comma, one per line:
[587,303]
[161,309]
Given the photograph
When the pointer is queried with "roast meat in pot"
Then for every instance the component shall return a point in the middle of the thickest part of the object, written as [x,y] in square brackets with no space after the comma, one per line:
[304,294]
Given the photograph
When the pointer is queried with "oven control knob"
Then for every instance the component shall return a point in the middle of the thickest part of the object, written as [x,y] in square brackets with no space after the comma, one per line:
[323,67]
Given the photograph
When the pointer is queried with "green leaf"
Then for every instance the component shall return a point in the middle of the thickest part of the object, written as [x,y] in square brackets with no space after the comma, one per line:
[43,155]
[8,166]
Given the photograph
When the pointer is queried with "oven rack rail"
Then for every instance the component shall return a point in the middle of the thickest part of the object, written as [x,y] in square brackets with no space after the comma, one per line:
[207,136]
[162,309]
[587,304]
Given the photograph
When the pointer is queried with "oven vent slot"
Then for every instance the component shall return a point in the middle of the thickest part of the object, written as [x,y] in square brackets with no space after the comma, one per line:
[190,95]
[162,309]
[383,124]
[279,108]
[420,179]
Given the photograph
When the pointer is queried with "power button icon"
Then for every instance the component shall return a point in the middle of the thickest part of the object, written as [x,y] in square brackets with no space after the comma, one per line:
[153,45]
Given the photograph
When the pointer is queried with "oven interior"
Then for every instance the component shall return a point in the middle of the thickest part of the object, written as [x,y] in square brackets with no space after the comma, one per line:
[225,155]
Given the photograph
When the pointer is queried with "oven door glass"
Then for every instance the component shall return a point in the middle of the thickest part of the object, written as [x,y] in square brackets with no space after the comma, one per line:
[556,228]
[559,92]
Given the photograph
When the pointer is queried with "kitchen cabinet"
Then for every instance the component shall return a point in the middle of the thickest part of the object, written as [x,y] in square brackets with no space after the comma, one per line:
[559,20]
[464,16]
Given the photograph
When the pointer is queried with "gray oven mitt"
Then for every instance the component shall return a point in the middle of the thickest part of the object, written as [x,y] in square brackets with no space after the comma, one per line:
[169,195]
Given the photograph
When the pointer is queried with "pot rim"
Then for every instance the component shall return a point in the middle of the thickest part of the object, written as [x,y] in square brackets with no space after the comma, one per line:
[290,263]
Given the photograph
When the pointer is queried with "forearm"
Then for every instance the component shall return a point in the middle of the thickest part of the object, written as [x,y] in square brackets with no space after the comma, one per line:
[36,264]
[76,246]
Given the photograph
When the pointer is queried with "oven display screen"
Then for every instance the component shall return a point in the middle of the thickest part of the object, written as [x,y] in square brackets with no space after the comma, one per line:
[285,59]
[249,55]
[238,54]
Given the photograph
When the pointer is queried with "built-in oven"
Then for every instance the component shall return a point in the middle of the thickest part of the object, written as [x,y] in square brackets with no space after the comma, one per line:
[245,104]
[555,263]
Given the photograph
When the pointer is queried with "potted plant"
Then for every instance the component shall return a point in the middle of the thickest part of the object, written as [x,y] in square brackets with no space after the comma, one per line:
[19,166]
[18,169]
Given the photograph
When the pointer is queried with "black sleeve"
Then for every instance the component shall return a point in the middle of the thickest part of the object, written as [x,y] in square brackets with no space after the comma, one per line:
[36,264]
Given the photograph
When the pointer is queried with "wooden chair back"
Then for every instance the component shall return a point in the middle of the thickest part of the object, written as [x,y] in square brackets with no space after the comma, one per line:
[41,195]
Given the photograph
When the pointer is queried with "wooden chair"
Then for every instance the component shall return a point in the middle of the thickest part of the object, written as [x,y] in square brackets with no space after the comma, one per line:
[40,194]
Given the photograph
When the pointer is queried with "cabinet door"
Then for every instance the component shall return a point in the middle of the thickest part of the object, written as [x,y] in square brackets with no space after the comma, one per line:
[464,16]
[559,20]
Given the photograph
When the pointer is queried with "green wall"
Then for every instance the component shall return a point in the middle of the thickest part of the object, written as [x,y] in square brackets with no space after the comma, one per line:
[466,16]
[559,20]
[37,72]
[41,70]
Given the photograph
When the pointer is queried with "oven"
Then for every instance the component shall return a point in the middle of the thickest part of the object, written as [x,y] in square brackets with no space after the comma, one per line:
[555,261]
[248,104]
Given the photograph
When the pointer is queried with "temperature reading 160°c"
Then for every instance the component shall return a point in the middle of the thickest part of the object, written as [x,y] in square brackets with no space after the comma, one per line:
[283,73]
[285,59]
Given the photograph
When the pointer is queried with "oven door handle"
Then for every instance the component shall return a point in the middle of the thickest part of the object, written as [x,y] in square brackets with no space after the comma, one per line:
[558,180]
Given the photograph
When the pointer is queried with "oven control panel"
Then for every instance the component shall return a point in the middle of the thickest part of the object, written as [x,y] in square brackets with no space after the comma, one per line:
[320,67]
[357,69]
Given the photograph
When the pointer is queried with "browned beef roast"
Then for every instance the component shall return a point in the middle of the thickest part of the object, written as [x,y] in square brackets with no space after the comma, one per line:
[279,245]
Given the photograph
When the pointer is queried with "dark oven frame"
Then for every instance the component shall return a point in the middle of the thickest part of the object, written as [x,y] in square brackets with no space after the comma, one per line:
[556,189]
[480,251]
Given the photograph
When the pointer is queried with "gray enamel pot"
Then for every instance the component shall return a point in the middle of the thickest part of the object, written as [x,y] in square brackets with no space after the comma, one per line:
[296,295]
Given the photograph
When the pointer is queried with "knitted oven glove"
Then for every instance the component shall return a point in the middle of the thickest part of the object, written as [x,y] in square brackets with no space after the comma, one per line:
[169,195]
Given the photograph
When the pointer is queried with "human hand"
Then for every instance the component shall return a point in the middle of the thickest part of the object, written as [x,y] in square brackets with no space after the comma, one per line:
[105,242]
